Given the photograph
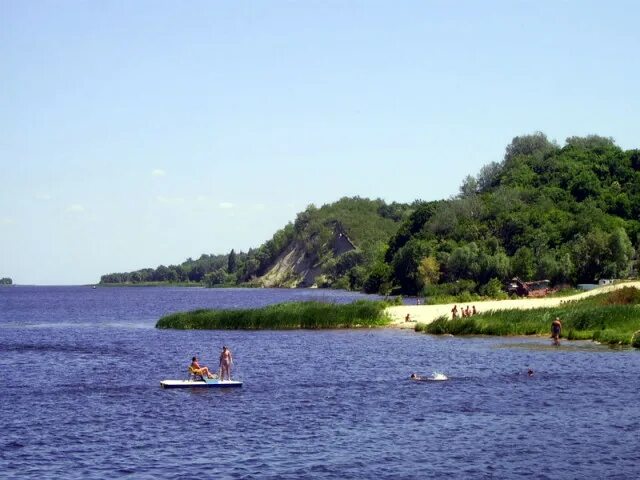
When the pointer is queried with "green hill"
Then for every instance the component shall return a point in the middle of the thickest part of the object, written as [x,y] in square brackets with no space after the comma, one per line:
[330,246]
[569,214]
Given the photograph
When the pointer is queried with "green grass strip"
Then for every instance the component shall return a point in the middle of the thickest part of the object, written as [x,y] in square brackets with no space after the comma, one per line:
[311,315]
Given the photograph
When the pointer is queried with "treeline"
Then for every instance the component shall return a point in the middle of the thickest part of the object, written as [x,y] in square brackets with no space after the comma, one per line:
[6,281]
[367,223]
[568,214]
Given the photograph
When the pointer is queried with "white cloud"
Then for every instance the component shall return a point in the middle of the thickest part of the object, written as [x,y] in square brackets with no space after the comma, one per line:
[225,205]
[170,200]
[43,196]
[7,221]
[75,208]
[158,172]
[259,206]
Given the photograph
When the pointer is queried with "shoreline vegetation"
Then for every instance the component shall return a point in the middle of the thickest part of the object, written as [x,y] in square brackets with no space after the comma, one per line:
[149,284]
[611,318]
[283,316]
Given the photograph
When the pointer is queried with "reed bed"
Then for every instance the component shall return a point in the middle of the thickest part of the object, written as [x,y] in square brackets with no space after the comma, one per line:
[611,318]
[282,316]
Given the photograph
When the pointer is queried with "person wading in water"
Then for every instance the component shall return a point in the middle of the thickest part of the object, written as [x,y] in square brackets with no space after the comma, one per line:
[556,328]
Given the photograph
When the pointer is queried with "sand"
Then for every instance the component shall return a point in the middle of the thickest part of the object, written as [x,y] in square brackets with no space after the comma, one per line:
[428,313]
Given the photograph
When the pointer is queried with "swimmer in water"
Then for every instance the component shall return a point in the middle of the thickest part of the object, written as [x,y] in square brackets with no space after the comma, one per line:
[435,377]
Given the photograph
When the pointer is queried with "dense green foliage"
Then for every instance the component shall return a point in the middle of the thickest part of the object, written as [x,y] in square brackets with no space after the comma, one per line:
[612,318]
[6,281]
[282,316]
[568,214]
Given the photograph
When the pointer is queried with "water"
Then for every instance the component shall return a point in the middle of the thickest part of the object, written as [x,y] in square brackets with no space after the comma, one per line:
[80,397]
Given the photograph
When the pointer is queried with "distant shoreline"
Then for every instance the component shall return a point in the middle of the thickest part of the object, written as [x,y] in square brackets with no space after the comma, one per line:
[148,284]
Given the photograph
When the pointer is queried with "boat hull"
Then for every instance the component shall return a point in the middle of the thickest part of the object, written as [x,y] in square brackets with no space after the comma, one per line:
[200,384]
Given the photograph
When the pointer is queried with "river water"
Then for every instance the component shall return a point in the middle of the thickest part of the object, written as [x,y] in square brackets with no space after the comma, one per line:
[80,396]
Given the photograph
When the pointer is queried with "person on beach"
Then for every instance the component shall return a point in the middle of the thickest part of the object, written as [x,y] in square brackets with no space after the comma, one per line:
[407,318]
[454,312]
[467,312]
[200,370]
[473,310]
[556,328]
[226,359]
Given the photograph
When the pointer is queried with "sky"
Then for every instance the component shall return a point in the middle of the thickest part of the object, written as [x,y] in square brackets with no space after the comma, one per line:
[134,134]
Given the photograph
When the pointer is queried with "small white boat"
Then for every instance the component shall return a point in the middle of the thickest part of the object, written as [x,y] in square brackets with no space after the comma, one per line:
[208,383]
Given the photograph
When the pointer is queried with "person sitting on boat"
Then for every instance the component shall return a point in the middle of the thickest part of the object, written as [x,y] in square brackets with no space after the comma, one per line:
[226,359]
[199,370]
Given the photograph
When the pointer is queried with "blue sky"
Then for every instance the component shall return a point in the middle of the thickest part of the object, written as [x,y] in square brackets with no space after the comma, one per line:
[134,134]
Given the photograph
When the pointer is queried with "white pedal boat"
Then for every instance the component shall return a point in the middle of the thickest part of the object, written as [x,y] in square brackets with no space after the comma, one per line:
[206,383]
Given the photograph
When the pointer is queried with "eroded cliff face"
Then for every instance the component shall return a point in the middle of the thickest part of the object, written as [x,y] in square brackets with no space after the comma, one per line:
[297,268]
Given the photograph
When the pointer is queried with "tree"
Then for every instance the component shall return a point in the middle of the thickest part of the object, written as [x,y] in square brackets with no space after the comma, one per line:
[378,279]
[160,274]
[590,142]
[497,265]
[197,273]
[621,252]
[566,269]
[522,264]
[232,266]
[469,186]
[590,254]
[405,265]
[493,288]
[428,271]
[547,267]
[217,277]
[489,176]
[535,144]
[464,263]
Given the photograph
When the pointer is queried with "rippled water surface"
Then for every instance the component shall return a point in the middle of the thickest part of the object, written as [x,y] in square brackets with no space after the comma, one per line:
[80,397]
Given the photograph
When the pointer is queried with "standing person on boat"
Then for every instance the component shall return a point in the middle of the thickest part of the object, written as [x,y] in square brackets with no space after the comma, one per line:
[556,328]
[226,359]
[199,370]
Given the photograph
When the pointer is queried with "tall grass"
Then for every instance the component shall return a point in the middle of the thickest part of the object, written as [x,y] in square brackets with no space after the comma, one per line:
[362,313]
[612,318]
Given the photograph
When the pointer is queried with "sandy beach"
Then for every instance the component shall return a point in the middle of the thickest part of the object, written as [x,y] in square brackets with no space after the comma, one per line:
[428,313]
